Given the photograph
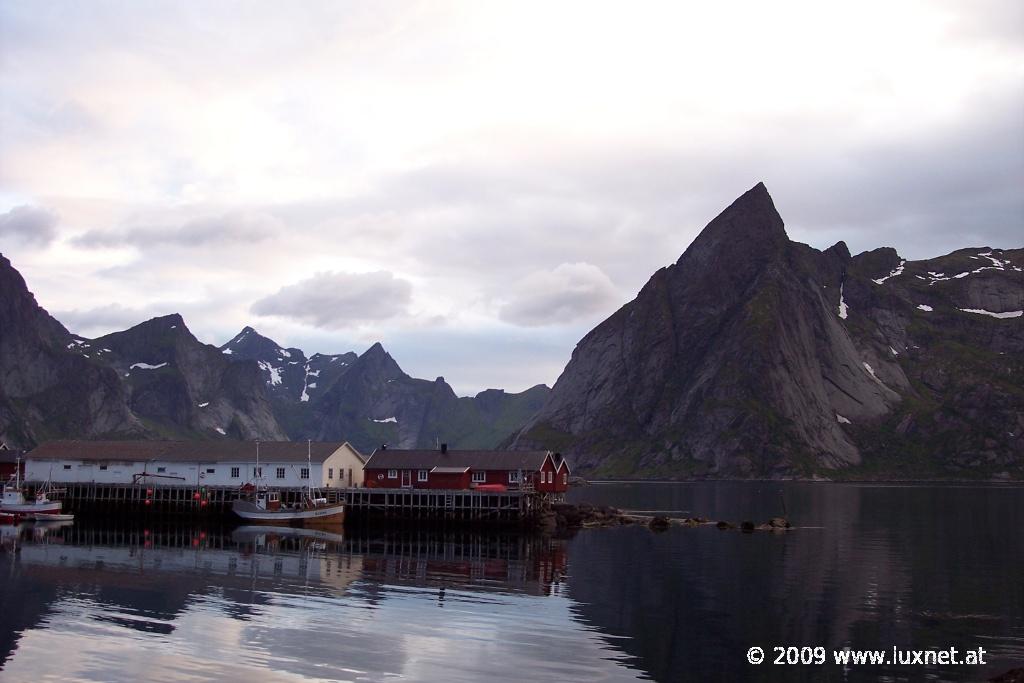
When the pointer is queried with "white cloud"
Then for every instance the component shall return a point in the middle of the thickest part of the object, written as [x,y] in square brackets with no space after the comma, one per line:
[338,300]
[564,295]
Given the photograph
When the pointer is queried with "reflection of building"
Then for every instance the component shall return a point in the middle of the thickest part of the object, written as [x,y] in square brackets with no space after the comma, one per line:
[542,471]
[196,463]
[514,562]
[177,556]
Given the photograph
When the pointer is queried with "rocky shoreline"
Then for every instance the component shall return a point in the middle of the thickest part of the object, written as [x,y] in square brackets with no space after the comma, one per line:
[561,518]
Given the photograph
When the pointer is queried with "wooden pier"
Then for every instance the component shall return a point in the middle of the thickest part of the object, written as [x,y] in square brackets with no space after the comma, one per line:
[398,503]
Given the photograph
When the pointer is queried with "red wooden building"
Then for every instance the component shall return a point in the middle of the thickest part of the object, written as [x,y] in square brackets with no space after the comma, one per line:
[542,471]
[8,463]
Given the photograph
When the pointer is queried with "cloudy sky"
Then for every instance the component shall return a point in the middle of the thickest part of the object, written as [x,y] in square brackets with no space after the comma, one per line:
[476,184]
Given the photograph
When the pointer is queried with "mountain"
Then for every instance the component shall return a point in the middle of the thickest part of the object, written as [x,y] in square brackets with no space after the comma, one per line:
[757,356]
[49,388]
[375,402]
[157,381]
[182,388]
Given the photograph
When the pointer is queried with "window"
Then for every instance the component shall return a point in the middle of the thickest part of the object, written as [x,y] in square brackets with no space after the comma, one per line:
[280,473]
[480,477]
[513,477]
[236,472]
[392,474]
[257,472]
[210,470]
[161,470]
[565,478]
[422,475]
[67,467]
[103,468]
[551,477]
[304,473]
[330,473]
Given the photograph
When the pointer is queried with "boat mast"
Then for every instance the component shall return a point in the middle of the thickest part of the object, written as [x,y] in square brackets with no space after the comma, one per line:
[17,473]
[256,472]
[309,468]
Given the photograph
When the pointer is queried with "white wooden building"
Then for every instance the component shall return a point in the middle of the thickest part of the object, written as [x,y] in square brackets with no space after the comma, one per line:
[282,464]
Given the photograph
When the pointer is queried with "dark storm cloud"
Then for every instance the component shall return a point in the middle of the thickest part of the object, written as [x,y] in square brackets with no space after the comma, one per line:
[338,300]
[29,224]
[236,227]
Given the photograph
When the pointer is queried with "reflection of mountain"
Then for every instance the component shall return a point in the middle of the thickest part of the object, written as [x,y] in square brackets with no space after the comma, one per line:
[877,567]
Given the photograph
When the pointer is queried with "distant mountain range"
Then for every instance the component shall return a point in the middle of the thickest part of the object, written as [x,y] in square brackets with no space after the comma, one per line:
[156,380]
[751,356]
[757,356]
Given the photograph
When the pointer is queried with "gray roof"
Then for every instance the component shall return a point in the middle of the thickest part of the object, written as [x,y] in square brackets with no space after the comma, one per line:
[184,451]
[394,459]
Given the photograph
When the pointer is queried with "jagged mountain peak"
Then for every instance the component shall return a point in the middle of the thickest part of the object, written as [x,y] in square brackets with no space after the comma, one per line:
[749,226]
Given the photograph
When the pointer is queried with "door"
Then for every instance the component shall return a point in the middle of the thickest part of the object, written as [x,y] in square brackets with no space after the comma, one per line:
[406,478]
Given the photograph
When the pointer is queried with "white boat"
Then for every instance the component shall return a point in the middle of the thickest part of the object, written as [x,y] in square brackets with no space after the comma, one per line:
[14,500]
[263,506]
[52,517]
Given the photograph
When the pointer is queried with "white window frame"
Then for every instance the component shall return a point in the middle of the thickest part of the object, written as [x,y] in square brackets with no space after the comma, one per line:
[565,478]
[279,473]
[304,473]
[211,470]
[161,470]
[513,476]
[480,477]
[422,475]
[103,468]
[392,474]
[257,472]
[330,473]
[236,472]
[67,467]
[551,477]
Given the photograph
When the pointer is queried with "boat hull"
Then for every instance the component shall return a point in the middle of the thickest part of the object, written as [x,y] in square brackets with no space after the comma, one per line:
[50,507]
[326,516]
[51,517]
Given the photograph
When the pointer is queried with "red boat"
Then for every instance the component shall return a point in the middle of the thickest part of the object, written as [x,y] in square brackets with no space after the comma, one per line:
[8,518]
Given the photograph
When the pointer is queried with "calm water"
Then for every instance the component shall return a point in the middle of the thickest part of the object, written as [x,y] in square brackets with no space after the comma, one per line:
[918,567]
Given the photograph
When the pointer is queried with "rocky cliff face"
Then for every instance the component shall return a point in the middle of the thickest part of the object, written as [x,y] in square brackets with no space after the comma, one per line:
[756,356]
[48,388]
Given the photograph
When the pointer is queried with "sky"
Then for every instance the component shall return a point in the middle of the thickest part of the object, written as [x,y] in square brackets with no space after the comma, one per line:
[477,184]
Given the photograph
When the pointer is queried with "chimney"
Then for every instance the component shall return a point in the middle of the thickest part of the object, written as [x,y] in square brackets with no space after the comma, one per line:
[444,448]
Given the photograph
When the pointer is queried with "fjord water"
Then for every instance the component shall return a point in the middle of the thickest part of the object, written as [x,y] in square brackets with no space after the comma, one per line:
[869,566]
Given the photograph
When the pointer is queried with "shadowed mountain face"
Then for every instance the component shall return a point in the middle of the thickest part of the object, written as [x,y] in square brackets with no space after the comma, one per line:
[156,380]
[755,356]
[49,387]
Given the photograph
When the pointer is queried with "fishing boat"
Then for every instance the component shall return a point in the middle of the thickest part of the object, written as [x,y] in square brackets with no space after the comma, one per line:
[14,500]
[263,506]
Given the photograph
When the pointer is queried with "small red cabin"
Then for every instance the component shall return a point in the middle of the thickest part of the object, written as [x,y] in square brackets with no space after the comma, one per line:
[542,471]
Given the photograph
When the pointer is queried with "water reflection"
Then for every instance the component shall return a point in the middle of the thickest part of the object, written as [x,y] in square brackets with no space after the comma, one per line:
[916,567]
[107,603]
[869,566]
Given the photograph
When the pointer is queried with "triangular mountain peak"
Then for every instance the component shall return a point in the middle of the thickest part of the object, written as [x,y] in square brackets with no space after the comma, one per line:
[749,226]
